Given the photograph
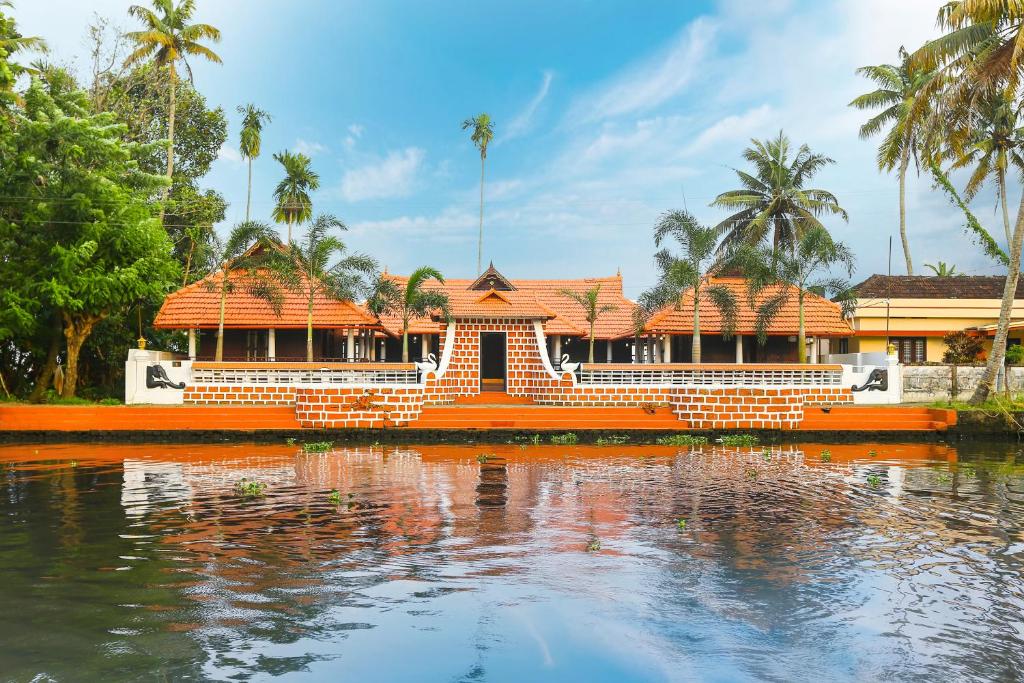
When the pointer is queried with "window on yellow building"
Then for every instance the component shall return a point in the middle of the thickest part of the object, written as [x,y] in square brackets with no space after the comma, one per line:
[910,349]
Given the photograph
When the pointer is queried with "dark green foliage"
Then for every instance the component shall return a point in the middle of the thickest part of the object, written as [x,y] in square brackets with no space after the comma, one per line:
[682,440]
[961,348]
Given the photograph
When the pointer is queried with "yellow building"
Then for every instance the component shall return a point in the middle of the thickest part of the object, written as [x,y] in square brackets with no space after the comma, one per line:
[914,312]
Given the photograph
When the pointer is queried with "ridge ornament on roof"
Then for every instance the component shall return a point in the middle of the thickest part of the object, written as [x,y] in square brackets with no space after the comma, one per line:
[491,279]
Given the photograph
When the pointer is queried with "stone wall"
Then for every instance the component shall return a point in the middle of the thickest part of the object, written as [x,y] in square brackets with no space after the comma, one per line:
[928,383]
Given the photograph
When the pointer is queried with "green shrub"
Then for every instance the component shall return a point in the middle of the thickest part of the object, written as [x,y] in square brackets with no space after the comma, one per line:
[318,446]
[1015,354]
[612,440]
[564,439]
[739,440]
[682,440]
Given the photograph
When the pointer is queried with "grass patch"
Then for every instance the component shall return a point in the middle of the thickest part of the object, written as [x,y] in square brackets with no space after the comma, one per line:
[682,440]
[250,488]
[567,439]
[739,440]
[615,439]
[317,446]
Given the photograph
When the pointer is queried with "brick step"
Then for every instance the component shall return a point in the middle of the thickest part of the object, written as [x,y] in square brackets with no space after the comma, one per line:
[873,426]
[493,398]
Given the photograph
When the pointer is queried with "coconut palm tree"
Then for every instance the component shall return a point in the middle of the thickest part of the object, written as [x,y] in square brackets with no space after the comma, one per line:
[774,276]
[690,272]
[900,95]
[253,119]
[12,42]
[319,266]
[942,269]
[980,54]
[483,133]
[239,253]
[169,37]
[292,193]
[592,309]
[991,142]
[411,301]
[773,199]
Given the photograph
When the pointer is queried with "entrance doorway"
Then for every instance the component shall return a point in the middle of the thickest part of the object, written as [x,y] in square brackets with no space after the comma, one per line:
[492,361]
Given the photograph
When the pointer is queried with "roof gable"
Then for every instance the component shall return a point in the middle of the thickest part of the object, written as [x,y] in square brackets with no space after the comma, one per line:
[491,279]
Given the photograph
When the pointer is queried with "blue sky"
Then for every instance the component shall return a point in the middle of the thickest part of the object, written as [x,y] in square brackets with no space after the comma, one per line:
[606,115]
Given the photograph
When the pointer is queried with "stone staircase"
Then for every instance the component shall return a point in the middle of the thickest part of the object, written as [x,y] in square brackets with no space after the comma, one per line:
[877,419]
[544,418]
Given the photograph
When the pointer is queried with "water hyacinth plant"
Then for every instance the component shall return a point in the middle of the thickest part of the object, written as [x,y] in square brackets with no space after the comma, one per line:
[250,488]
[738,440]
[564,439]
[682,440]
[317,446]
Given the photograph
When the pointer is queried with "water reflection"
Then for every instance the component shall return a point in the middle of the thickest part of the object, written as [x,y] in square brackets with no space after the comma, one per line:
[863,562]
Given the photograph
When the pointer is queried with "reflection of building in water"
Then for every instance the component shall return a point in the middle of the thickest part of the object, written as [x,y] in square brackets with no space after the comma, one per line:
[150,483]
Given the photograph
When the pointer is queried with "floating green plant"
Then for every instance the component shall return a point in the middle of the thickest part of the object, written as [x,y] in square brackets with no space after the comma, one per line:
[334,498]
[681,523]
[594,546]
[614,439]
[969,472]
[535,439]
[317,446]
[484,457]
[250,488]
[751,473]
[566,439]
[682,440]
[738,440]
[290,441]
[826,455]
[73,463]
[767,453]
[872,453]
[944,478]
[874,481]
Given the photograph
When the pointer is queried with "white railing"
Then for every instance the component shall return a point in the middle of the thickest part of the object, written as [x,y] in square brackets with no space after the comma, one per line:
[687,374]
[288,374]
[859,361]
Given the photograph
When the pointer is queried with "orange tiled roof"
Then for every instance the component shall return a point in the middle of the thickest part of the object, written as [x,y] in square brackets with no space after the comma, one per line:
[531,299]
[196,305]
[821,316]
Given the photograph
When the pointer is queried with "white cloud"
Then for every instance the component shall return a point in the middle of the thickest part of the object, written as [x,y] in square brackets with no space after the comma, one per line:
[309,148]
[393,176]
[737,128]
[652,82]
[355,131]
[523,121]
[229,154]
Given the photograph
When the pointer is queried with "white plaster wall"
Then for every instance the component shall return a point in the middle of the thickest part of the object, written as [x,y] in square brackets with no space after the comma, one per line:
[178,368]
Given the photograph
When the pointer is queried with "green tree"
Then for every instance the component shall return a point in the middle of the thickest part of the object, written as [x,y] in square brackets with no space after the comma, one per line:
[980,54]
[11,43]
[589,301]
[773,277]
[103,250]
[991,142]
[168,38]
[292,193]
[482,135]
[307,268]
[942,269]
[253,120]
[690,272]
[413,300]
[249,250]
[902,96]
[773,199]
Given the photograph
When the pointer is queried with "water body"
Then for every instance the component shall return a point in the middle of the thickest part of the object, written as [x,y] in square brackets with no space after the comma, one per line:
[542,563]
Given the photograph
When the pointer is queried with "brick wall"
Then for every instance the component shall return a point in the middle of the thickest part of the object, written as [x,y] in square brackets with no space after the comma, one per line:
[353,407]
[240,394]
[742,408]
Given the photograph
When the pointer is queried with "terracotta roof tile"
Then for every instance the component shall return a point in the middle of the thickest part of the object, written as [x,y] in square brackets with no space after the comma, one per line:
[934,287]
[197,305]
[821,316]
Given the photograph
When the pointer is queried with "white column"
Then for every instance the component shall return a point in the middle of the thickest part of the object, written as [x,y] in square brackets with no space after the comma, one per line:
[371,345]
[192,343]
[739,348]
[814,350]
[655,350]
[609,354]
[424,345]
[558,346]
[383,354]
[272,344]
[350,344]
[667,341]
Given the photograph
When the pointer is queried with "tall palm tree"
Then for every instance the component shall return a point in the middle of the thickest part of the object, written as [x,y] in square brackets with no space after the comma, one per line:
[411,301]
[292,193]
[306,268]
[979,54]
[680,274]
[589,301]
[12,42]
[483,133]
[773,200]
[237,253]
[773,276]
[991,142]
[900,95]
[168,38]
[253,119]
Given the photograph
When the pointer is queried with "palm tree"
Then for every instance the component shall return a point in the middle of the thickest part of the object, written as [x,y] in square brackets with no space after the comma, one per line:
[592,309]
[237,253]
[12,42]
[992,141]
[901,95]
[411,301]
[292,193]
[980,54]
[305,267]
[776,275]
[773,200]
[680,274]
[483,133]
[942,269]
[169,38]
[253,119]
